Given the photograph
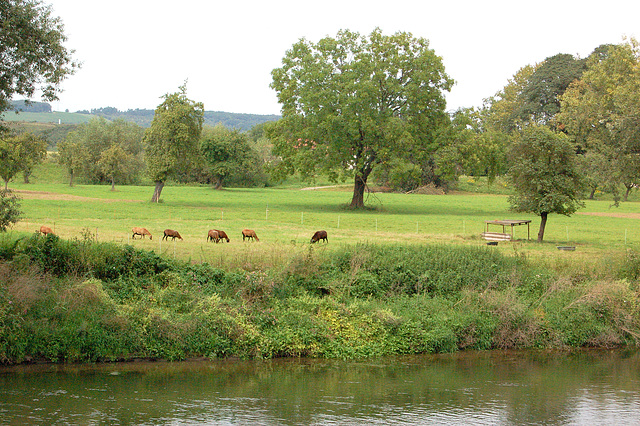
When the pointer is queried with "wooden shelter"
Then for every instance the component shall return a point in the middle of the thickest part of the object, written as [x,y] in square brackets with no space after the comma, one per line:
[504,235]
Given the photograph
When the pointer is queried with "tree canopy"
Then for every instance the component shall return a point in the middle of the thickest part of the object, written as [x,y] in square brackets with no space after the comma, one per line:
[352,102]
[226,152]
[544,174]
[20,153]
[172,141]
[32,52]
[601,112]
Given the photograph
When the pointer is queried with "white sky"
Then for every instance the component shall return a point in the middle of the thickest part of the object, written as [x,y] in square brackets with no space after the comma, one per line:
[134,51]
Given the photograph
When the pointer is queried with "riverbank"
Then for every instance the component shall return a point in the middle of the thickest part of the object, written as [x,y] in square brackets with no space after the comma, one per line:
[86,301]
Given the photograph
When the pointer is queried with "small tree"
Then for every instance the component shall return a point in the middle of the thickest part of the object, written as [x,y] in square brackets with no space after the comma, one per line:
[114,163]
[9,209]
[544,175]
[32,151]
[20,153]
[74,156]
[225,151]
[97,136]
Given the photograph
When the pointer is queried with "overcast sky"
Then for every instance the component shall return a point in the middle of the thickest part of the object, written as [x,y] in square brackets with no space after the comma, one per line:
[134,51]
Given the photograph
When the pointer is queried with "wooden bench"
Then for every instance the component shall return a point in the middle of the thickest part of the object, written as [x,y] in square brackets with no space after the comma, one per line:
[496,236]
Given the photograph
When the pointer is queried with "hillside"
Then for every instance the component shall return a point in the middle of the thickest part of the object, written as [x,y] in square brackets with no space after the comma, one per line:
[143,117]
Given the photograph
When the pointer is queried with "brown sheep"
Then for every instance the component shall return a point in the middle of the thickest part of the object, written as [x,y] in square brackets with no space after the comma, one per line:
[46,230]
[140,231]
[249,234]
[171,233]
[222,235]
[213,236]
[319,235]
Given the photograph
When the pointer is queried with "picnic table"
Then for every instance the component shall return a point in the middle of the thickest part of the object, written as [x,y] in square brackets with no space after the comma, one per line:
[504,235]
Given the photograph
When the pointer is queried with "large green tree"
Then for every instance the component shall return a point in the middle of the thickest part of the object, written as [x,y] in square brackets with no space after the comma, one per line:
[541,96]
[352,102]
[601,112]
[172,141]
[32,52]
[544,174]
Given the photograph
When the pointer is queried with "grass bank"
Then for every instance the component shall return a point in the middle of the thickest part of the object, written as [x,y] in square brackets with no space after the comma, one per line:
[80,300]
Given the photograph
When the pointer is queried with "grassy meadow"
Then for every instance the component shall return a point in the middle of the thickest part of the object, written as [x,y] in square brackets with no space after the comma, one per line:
[285,219]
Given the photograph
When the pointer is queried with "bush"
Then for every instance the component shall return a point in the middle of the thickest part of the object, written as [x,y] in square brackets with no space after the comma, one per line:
[10,212]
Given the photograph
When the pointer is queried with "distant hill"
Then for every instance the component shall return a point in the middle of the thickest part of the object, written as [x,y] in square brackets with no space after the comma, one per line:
[142,117]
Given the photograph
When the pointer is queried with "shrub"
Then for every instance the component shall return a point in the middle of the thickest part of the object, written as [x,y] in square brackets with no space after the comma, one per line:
[10,212]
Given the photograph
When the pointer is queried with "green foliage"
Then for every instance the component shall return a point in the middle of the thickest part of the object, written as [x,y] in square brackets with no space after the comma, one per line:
[544,174]
[600,113]
[114,163]
[113,303]
[171,143]
[353,102]
[74,156]
[33,54]
[549,81]
[228,155]
[399,175]
[10,212]
[20,153]
[377,271]
[53,133]
[103,151]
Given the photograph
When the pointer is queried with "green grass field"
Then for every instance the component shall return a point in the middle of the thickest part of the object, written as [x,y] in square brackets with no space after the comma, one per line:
[285,219]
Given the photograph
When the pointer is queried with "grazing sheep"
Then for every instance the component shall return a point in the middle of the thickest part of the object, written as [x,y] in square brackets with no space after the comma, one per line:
[319,235]
[222,235]
[171,233]
[140,231]
[249,234]
[213,236]
[46,230]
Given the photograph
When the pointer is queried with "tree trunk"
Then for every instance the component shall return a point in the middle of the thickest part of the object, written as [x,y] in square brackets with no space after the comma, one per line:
[592,195]
[543,223]
[113,184]
[157,191]
[359,186]
[626,194]
[26,176]
[218,183]
[71,179]
[6,185]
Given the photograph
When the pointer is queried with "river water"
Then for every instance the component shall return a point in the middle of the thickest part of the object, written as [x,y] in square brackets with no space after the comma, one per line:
[484,388]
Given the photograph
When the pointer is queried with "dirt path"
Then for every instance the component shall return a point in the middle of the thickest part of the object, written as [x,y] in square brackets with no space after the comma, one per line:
[612,214]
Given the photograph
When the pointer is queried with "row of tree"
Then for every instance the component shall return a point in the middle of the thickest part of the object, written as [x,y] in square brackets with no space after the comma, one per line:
[177,146]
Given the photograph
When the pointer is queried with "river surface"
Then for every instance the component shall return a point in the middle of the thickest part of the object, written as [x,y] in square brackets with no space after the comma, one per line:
[484,388]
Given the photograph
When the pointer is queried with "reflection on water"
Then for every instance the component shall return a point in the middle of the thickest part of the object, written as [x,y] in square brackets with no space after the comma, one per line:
[585,387]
